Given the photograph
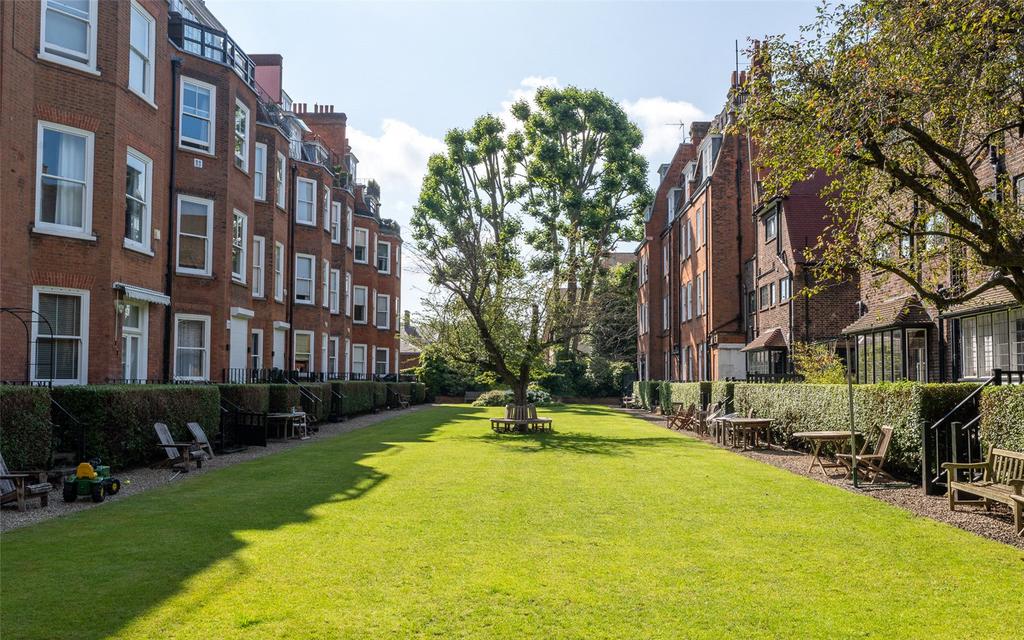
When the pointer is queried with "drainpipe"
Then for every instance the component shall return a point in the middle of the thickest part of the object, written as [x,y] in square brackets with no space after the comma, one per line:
[291,270]
[172,218]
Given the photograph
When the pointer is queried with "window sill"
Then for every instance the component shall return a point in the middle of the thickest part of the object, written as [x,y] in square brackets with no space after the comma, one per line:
[141,96]
[362,322]
[304,223]
[64,233]
[71,64]
[137,248]
[308,303]
[354,261]
[188,149]
[244,170]
[193,274]
[238,281]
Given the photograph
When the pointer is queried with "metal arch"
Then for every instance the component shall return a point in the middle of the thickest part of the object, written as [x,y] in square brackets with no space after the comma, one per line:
[19,312]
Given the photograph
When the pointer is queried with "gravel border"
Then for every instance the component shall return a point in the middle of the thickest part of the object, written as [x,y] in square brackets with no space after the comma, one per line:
[139,480]
[995,525]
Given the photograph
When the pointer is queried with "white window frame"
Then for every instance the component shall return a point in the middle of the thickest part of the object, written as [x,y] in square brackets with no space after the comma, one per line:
[83,348]
[83,232]
[771,221]
[356,348]
[142,332]
[335,291]
[259,178]
[325,275]
[147,212]
[178,317]
[366,304]
[377,257]
[334,343]
[208,270]
[241,161]
[147,91]
[348,294]
[327,207]
[312,278]
[299,202]
[183,140]
[335,222]
[366,245]
[256,355]
[280,181]
[279,272]
[387,360]
[259,266]
[52,52]
[387,310]
[324,340]
[243,246]
[312,346]
[348,226]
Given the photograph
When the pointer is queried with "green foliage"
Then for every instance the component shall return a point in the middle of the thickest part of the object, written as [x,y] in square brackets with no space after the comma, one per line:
[247,397]
[612,325]
[283,397]
[903,102]
[25,432]
[1002,417]
[645,393]
[441,377]
[684,393]
[818,364]
[117,420]
[904,406]
[502,397]
[722,391]
[419,393]
[357,397]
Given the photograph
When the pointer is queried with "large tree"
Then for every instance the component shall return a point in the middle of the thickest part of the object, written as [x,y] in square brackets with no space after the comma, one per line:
[612,324]
[585,182]
[503,302]
[912,106]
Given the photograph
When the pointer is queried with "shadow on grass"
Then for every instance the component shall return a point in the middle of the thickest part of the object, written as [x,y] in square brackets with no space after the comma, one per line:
[91,574]
[582,443]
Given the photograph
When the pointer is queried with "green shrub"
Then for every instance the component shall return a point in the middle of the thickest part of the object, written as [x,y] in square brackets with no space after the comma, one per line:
[247,397]
[502,397]
[1002,417]
[25,431]
[684,393]
[644,393]
[283,397]
[905,406]
[358,397]
[419,393]
[320,409]
[380,395]
[722,391]
[117,420]
[622,375]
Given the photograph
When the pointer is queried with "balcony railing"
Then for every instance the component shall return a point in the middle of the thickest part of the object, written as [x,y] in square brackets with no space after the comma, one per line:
[212,44]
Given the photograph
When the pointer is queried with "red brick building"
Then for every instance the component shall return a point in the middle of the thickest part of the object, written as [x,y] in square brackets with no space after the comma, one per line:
[170,213]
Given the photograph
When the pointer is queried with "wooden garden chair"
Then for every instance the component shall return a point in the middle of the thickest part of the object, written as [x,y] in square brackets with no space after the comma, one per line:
[681,419]
[871,463]
[200,437]
[706,418]
[178,453]
[20,487]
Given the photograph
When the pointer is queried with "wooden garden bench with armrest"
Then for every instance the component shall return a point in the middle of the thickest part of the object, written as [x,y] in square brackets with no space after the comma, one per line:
[1002,481]
[22,486]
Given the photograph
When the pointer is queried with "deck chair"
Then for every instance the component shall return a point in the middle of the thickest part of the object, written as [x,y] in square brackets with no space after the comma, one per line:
[178,453]
[871,463]
[20,487]
[200,437]
[681,419]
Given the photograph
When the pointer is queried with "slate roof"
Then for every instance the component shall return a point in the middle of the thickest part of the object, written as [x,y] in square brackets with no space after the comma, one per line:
[904,311]
[770,339]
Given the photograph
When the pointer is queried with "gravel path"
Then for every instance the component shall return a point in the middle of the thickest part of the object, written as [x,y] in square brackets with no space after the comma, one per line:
[996,525]
[135,481]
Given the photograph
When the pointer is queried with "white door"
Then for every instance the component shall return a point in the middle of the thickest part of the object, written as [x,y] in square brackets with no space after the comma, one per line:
[239,344]
[279,338]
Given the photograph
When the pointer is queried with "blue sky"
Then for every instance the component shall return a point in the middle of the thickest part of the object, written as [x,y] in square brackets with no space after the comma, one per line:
[405,72]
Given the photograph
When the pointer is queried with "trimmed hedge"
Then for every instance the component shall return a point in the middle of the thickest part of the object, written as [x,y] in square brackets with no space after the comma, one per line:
[283,397]
[684,393]
[645,392]
[380,395]
[321,390]
[358,397]
[723,391]
[25,432]
[419,392]
[117,420]
[825,407]
[247,397]
[1002,417]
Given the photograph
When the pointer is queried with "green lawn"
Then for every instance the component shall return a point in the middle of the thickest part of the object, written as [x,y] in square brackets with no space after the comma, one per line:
[429,525]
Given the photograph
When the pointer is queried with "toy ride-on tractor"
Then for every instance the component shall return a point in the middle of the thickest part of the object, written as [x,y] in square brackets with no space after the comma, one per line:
[91,479]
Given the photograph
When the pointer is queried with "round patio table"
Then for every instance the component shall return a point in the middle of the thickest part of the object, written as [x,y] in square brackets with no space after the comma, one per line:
[819,438]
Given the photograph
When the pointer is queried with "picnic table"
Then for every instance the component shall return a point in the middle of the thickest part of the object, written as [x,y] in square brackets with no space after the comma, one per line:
[751,427]
[818,438]
[294,422]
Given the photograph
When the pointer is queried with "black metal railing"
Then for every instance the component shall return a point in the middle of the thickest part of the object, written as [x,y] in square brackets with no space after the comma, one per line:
[283,376]
[212,44]
[955,437]
[774,377]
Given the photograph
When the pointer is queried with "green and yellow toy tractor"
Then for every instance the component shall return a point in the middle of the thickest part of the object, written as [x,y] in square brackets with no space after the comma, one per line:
[91,479]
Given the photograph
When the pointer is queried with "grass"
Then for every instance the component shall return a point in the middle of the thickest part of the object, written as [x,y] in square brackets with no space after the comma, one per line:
[429,525]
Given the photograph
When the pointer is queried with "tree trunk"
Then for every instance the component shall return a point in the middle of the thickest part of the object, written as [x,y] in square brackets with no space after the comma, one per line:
[519,391]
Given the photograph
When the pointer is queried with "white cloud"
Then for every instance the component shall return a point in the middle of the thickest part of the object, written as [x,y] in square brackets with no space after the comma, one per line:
[397,159]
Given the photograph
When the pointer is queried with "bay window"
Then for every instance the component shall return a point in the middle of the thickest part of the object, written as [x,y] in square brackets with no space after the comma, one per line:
[991,341]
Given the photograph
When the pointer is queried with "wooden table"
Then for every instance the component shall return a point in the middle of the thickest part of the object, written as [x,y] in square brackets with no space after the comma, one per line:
[751,426]
[819,438]
[289,420]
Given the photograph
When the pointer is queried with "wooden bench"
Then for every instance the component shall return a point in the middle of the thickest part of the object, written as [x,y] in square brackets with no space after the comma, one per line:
[520,418]
[1002,481]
